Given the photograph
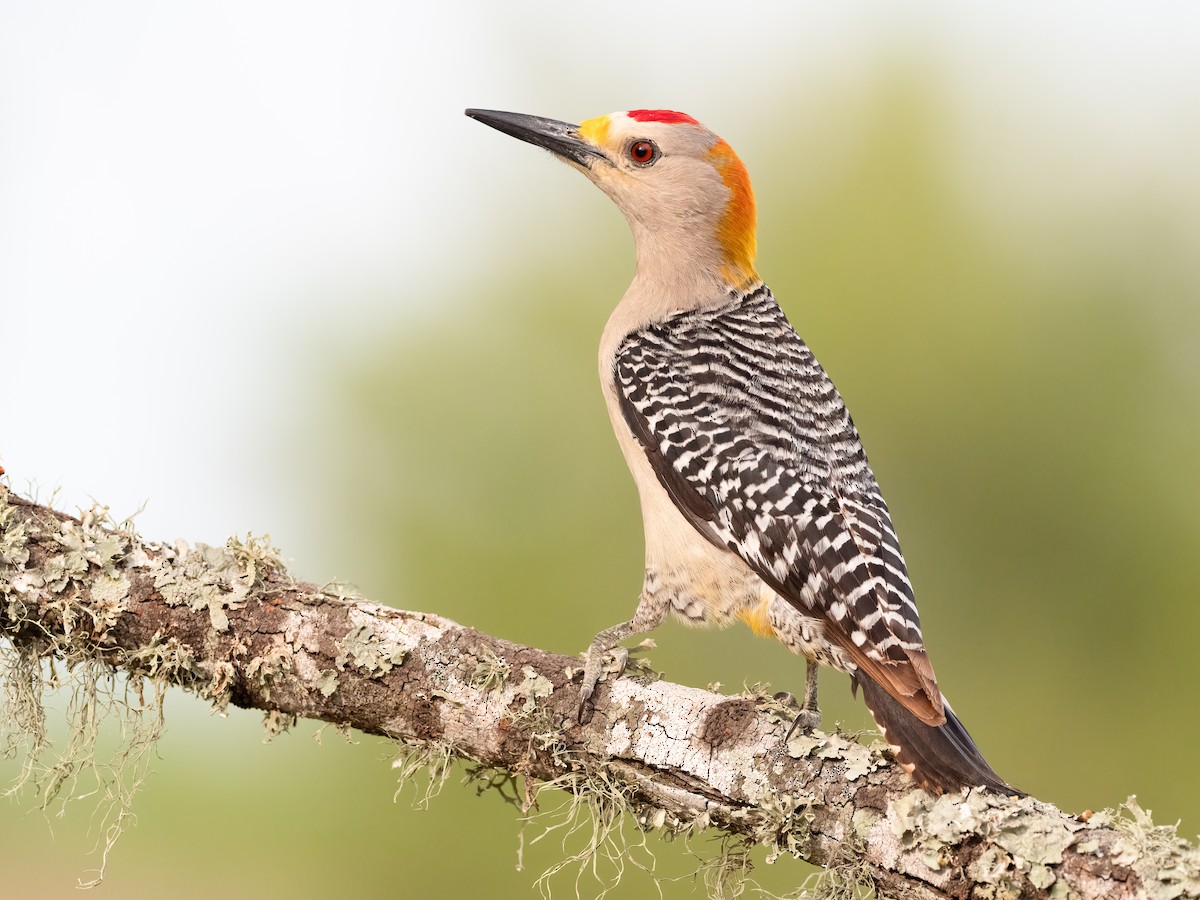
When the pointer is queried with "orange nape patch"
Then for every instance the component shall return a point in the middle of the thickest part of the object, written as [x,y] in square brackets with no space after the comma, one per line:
[756,617]
[737,230]
[595,131]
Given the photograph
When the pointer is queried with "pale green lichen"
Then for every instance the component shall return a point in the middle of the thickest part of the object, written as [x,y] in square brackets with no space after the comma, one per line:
[98,705]
[166,659]
[1033,836]
[327,682]
[848,876]
[362,649]
[598,846]
[491,672]
[219,688]
[596,828]
[540,722]
[203,577]
[111,590]
[276,723]
[531,689]
[255,557]
[780,704]
[84,587]
[602,828]
[416,762]
[859,760]
[726,873]
[801,744]
[1024,840]
[14,535]
[1027,842]
[990,866]
[1169,866]
[88,544]
[782,823]
[270,667]
[863,821]
[343,591]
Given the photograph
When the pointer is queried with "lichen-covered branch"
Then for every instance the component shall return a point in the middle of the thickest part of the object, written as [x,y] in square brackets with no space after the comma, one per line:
[231,625]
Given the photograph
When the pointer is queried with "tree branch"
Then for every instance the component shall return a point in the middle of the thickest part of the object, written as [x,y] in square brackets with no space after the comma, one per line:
[231,625]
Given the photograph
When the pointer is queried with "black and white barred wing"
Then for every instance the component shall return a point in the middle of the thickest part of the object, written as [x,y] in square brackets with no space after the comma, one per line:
[753,443]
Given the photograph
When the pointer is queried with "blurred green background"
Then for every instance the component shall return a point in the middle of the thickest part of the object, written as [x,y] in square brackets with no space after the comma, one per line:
[1012,317]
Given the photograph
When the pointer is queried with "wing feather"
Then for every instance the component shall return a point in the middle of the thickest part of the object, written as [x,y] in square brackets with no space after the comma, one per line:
[753,443]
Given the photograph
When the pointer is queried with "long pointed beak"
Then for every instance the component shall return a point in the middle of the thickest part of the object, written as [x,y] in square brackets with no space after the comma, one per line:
[560,138]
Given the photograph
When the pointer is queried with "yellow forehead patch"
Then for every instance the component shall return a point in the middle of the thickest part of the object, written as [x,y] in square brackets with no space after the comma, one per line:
[737,229]
[595,130]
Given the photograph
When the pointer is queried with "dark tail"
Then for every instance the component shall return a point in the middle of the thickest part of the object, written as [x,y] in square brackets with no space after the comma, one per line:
[939,757]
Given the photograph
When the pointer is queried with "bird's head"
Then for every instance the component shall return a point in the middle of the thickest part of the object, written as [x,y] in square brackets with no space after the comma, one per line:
[684,191]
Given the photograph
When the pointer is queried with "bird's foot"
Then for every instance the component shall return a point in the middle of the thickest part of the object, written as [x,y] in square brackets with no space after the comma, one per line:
[809,717]
[806,722]
[598,662]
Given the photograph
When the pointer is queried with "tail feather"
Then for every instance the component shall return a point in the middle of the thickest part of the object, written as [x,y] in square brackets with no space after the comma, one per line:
[939,757]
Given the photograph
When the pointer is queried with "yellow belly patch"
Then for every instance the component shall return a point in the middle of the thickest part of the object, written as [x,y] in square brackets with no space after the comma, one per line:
[756,617]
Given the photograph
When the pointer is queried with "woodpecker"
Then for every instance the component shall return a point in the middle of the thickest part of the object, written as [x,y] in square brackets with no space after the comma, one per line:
[757,500]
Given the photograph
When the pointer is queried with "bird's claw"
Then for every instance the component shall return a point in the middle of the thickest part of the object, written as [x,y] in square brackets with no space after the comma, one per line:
[594,668]
[586,707]
[806,721]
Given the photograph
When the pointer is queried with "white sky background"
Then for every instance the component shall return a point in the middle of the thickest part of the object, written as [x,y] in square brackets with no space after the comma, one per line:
[184,187]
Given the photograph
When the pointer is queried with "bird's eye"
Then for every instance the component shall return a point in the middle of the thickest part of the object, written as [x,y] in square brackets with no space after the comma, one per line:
[643,153]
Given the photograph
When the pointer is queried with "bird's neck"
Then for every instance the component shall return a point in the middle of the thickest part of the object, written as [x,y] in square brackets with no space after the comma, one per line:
[664,286]
[685,267]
